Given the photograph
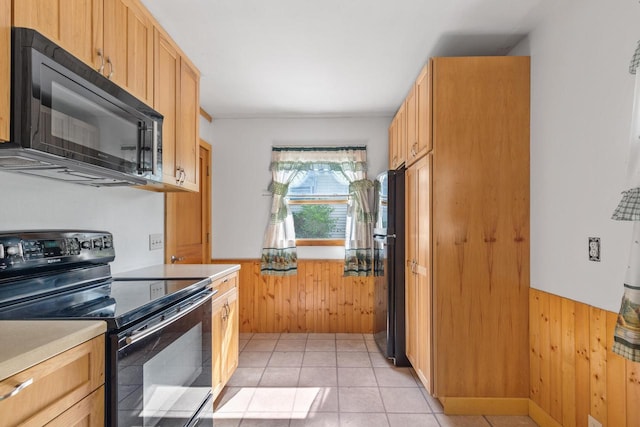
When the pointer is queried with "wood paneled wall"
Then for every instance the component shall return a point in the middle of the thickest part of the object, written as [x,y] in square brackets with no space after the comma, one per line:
[573,371]
[317,299]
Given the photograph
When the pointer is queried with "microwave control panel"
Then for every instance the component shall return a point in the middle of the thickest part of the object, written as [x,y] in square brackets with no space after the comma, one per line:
[39,249]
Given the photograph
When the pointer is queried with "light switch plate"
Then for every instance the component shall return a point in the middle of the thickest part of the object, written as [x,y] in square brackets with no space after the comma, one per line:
[156,241]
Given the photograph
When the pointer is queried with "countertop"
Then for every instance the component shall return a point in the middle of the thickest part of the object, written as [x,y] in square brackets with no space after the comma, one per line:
[25,343]
[180,271]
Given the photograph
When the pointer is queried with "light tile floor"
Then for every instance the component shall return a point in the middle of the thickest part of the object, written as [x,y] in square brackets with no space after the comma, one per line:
[330,380]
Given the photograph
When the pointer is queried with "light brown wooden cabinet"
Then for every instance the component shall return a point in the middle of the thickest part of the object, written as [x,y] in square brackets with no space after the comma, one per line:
[397,145]
[128,47]
[418,270]
[5,69]
[114,37]
[65,390]
[419,117]
[225,329]
[468,231]
[177,99]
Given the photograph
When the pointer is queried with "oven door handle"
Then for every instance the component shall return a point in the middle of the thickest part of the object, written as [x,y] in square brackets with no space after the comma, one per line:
[137,336]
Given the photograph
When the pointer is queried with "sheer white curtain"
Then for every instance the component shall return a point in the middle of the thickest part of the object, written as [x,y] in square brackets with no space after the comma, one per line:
[279,254]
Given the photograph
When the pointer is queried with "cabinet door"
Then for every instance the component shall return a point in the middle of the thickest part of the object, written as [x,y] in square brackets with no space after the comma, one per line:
[401,142]
[231,337]
[188,121]
[423,111]
[5,69]
[128,47]
[165,97]
[422,271]
[217,336]
[418,270]
[411,321]
[393,133]
[76,25]
[412,129]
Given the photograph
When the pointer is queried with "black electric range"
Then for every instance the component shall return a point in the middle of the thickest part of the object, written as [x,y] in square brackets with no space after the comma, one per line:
[158,341]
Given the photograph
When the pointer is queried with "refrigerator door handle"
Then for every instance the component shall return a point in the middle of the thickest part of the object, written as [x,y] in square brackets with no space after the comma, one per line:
[393,236]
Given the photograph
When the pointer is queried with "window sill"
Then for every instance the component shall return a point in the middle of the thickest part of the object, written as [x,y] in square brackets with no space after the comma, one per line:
[320,242]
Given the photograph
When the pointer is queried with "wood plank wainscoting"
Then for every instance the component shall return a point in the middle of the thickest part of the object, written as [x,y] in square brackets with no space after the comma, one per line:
[573,371]
[317,299]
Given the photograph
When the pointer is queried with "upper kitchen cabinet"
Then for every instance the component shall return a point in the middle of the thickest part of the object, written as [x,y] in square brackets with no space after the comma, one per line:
[75,25]
[397,145]
[5,68]
[113,36]
[177,99]
[419,117]
[128,47]
[188,126]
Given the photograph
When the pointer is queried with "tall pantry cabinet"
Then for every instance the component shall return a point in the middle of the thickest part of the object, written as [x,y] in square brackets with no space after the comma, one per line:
[468,232]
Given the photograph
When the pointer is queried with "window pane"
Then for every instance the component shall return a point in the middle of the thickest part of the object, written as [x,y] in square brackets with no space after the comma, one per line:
[318,185]
[319,221]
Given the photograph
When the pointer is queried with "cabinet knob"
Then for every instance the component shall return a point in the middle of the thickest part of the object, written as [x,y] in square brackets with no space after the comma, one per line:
[175,259]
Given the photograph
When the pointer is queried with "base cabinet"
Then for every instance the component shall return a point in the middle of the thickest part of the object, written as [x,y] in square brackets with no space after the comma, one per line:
[225,330]
[65,390]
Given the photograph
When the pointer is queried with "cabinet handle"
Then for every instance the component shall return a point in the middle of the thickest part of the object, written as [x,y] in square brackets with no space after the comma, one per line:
[17,390]
[101,56]
[414,152]
[110,67]
[181,175]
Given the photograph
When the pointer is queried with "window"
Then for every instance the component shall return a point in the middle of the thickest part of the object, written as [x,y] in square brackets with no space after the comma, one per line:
[318,200]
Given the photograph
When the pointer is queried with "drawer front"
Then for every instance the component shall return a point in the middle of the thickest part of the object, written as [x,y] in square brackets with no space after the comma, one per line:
[225,283]
[56,385]
[89,412]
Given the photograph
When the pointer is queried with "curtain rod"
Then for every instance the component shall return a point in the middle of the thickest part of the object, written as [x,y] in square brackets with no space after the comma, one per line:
[317,148]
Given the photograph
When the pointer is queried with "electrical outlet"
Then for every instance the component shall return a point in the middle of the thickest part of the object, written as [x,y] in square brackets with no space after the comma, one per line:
[593,422]
[594,249]
[156,290]
[156,241]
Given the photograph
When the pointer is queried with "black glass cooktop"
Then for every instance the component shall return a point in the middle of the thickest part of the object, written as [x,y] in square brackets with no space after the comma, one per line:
[119,302]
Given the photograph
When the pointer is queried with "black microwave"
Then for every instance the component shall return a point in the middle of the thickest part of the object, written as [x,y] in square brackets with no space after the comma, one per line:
[71,123]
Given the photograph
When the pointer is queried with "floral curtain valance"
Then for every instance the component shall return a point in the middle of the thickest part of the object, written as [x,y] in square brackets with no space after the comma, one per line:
[279,255]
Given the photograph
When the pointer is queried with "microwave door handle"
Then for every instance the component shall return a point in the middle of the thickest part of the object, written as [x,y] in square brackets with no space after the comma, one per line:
[154,149]
[140,147]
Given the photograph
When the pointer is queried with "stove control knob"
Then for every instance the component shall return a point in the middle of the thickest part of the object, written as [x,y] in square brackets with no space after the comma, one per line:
[12,250]
[86,244]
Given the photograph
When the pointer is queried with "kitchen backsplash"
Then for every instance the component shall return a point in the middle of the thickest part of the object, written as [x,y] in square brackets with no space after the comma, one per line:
[130,214]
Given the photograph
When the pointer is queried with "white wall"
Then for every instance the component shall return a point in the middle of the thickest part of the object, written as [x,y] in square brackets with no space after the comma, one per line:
[241,157]
[130,214]
[581,100]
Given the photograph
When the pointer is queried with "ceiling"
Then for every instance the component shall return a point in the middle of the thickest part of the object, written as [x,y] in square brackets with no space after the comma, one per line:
[331,58]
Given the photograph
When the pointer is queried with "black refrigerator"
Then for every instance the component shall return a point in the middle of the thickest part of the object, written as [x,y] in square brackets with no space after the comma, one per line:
[389,269]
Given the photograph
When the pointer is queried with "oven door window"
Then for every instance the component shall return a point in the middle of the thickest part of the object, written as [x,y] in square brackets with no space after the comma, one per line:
[78,123]
[165,377]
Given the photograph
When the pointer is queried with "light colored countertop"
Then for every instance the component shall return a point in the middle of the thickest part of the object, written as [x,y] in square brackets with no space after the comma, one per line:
[180,271]
[25,343]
